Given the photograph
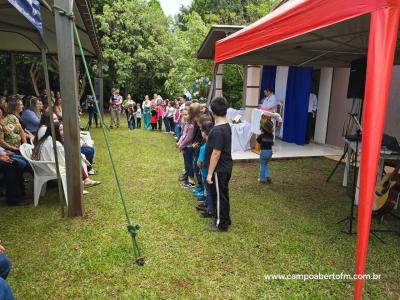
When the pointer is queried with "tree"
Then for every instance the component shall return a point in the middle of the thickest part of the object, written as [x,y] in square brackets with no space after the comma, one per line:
[187,68]
[227,12]
[136,38]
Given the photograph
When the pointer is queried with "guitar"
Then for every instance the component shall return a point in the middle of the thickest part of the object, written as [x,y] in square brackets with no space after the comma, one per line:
[387,193]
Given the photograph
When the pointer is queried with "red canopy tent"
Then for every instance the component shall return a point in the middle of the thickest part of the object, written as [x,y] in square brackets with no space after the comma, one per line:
[332,33]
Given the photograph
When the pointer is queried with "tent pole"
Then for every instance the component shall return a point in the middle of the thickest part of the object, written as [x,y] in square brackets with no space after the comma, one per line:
[382,44]
[53,132]
[14,74]
[69,93]
[101,96]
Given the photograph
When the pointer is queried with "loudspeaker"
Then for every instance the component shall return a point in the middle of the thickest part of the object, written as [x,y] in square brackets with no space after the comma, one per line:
[358,72]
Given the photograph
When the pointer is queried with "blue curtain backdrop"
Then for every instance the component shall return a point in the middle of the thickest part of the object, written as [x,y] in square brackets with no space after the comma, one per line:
[296,104]
[267,79]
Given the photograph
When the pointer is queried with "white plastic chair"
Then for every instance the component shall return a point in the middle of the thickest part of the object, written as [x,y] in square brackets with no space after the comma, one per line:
[43,172]
[87,138]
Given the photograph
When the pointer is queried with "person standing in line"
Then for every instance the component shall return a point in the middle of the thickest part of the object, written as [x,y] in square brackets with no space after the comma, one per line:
[207,207]
[185,146]
[154,100]
[170,116]
[92,110]
[138,116]
[177,121]
[266,140]
[218,161]
[160,116]
[115,104]
[165,116]
[146,112]
[131,116]
[153,119]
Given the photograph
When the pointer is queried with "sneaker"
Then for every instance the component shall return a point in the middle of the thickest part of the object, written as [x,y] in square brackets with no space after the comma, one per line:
[201,208]
[201,204]
[205,215]
[196,190]
[183,178]
[188,185]
[214,228]
[199,194]
[201,199]
[269,180]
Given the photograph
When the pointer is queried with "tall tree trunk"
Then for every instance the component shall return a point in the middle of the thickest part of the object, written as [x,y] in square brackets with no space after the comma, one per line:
[33,71]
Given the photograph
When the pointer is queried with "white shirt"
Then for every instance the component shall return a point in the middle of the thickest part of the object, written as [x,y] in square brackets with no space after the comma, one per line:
[171,111]
[270,102]
[139,113]
[41,132]
[47,154]
[312,103]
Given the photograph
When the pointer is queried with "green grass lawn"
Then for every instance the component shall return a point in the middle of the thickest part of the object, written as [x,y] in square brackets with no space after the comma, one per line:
[284,228]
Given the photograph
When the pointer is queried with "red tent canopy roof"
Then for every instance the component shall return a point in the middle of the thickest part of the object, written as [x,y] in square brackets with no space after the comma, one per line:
[294,18]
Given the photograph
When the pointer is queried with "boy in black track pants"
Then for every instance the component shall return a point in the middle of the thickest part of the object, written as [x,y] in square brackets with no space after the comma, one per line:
[218,160]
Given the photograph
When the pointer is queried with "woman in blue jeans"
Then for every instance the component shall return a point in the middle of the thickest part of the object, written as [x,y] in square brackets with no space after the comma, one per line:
[266,141]
[5,267]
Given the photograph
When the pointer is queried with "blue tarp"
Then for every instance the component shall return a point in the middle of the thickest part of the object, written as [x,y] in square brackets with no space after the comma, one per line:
[296,104]
[30,9]
[267,80]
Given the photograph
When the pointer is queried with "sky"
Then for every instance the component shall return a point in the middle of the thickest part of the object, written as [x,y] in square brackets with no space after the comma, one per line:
[171,7]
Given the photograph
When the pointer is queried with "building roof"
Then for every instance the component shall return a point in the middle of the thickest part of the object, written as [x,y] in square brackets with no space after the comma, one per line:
[19,36]
[217,32]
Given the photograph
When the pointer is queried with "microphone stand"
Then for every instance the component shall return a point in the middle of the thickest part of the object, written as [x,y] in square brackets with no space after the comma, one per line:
[348,220]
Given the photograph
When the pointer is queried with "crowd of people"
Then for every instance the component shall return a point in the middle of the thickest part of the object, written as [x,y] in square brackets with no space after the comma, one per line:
[202,136]
[155,113]
[26,119]
[204,139]
[205,144]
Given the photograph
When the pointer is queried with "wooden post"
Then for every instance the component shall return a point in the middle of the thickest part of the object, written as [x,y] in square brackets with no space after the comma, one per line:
[252,89]
[218,80]
[69,93]
[14,75]
[101,87]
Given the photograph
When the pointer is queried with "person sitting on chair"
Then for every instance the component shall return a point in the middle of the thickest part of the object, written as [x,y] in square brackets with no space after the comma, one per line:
[43,150]
[269,102]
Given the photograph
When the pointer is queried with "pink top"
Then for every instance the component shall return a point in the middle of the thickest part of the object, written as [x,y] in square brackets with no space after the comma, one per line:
[187,136]
[160,111]
[177,116]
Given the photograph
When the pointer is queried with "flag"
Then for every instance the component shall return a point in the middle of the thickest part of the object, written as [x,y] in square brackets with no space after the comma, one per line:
[31,10]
